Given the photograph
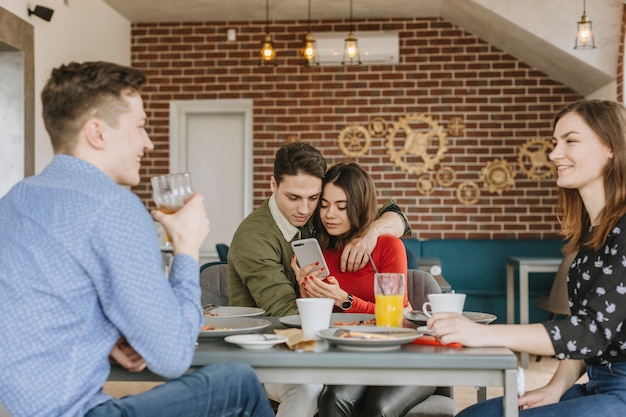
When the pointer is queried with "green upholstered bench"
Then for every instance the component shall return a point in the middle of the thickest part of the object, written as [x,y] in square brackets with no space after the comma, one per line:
[477,267]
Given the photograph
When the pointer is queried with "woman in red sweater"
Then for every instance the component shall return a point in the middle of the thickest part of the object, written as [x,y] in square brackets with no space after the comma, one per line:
[346,209]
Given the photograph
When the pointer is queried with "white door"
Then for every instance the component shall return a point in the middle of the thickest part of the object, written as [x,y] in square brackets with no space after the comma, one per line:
[212,139]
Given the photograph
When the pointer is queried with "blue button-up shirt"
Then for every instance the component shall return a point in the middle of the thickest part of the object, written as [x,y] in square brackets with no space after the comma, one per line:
[80,265]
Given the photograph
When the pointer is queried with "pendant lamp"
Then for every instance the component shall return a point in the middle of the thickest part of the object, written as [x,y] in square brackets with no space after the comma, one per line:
[351,55]
[309,49]
[267,54]
[584,35]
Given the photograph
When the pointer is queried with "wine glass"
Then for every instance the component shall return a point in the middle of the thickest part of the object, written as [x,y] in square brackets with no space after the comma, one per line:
[170,193]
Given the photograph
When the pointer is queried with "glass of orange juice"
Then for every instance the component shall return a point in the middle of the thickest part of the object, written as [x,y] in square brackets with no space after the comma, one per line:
[389,293]
[170,193]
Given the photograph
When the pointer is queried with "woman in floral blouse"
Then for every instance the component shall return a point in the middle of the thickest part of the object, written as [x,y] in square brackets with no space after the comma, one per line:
[590,156]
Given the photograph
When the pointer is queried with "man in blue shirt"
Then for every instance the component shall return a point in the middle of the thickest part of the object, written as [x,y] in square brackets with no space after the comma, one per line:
[80,270]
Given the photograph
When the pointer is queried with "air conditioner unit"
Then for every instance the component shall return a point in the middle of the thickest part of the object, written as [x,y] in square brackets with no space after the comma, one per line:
[374,47]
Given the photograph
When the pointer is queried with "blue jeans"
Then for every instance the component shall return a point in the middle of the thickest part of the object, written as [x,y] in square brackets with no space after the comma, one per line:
[603,395]
[221,390]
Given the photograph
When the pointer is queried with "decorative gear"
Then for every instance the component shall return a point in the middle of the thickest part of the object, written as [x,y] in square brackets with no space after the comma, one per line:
[468,193]
[498,176]
[456,126]
[377,127]
[426,184]
[446,176]
[533,159]
[354,141]
[416,144]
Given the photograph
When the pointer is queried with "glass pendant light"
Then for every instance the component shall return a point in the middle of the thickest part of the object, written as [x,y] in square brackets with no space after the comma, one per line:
[309,49]
[351,55]
[584,35]
[267,54]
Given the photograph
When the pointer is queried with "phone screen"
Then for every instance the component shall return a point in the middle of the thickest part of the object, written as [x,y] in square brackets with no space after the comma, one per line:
[308,251]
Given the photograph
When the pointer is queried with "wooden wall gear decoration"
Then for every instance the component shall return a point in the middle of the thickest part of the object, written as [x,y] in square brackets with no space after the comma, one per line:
[498,176]
[426,184]
[416,144]
[446,176]
[468,193]
[354,141]
[533,159]
[377,127]
[456,126]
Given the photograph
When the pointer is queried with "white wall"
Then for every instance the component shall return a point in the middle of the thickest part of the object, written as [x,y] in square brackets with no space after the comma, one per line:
[80,30]
[556,21]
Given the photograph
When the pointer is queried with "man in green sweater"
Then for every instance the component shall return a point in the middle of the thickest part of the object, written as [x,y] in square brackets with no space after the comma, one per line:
[259,257]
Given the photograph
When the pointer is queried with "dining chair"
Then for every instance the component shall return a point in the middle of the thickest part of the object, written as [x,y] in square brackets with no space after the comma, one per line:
[557,302]
[214,283]
[440,404]
[222,251]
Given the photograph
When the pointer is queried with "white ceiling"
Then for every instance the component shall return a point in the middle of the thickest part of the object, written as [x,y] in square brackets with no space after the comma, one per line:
[534,31]
[242,10]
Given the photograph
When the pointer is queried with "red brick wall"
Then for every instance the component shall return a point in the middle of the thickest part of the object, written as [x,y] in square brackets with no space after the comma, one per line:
[444,72]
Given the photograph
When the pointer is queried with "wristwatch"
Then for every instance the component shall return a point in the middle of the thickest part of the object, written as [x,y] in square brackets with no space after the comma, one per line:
[347,304]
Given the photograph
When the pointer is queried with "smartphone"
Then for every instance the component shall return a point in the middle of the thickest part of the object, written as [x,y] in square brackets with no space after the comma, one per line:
[308,251]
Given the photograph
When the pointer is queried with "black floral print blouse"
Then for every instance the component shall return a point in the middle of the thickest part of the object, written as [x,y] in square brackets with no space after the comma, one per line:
[597,300]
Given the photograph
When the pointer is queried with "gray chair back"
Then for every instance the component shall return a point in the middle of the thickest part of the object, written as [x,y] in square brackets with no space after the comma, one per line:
[214,283]
[419,285]
[558,301]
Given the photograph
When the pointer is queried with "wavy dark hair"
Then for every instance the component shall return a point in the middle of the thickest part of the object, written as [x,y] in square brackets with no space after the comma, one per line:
[607,119]
[77,91]
[361,199]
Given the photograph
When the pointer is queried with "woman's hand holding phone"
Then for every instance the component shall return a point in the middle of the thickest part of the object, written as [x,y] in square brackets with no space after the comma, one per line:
[314,285]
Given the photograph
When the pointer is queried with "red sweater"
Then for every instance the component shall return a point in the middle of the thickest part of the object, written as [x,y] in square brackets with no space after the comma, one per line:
[388,256]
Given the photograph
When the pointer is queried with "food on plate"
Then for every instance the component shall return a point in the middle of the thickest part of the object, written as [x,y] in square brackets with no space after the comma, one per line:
[370,322]
[208,313]
[204,328]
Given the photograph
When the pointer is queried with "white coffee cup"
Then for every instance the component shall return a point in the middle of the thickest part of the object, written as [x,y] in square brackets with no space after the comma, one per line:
[315,315]
[447,302]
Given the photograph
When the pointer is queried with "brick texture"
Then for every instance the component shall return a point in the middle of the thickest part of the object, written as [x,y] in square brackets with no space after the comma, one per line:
[444,73]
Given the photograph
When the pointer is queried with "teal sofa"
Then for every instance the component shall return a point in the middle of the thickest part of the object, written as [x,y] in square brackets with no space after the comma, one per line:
[477,267]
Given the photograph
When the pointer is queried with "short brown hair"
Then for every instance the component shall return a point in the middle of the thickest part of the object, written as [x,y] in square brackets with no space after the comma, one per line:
[298,158]
[77,91]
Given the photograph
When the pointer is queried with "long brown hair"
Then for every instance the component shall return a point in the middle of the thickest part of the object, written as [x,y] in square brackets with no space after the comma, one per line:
[361,207]
[607,119]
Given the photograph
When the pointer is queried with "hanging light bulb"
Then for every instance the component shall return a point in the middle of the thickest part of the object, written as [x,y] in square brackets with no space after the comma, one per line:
[267,54]
[309,49]
[584,35]
[351,55]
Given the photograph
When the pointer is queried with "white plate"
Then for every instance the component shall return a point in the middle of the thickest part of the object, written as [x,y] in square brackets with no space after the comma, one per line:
[233,311]
[398,337]
[256,341]
[225,326]
[336,320]
[424,329]
[418,317]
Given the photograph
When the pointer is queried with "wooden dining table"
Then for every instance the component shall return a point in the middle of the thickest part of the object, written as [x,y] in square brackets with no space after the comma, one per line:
[410,364]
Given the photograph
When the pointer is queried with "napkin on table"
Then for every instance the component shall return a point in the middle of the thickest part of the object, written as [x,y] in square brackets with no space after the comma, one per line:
[296,339]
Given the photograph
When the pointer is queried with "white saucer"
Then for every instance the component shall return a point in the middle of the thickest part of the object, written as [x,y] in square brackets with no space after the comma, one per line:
[424,329]
[256,341]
